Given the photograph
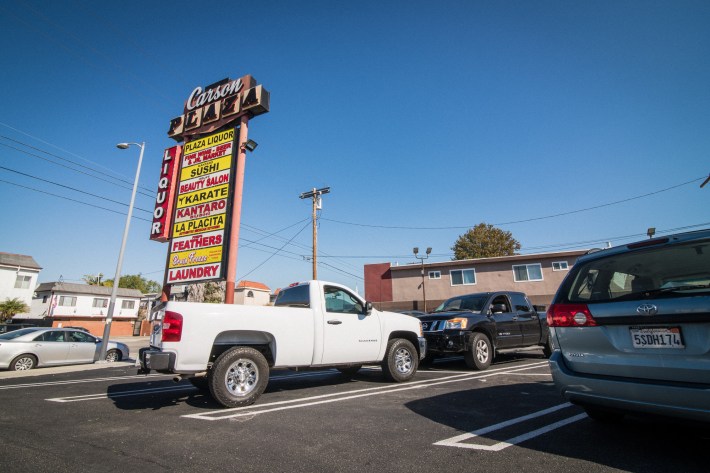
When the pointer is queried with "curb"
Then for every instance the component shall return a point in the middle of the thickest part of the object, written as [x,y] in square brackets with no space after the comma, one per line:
[129,363]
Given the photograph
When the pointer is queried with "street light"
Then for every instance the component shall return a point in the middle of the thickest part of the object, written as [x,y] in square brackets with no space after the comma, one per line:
[117,278]
[415,250]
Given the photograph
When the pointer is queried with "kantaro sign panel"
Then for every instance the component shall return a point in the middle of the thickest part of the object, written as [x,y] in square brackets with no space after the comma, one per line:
[199,228]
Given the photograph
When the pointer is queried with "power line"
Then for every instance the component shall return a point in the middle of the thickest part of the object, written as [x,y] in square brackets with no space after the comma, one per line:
[458,227]
[70,199]
[71,188]
[275,253]
[129,184]
[60,149]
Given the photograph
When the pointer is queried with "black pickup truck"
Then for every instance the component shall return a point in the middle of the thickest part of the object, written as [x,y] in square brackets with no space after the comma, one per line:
[479,325]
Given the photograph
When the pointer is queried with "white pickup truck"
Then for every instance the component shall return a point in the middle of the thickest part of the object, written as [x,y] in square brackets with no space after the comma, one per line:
[231,348]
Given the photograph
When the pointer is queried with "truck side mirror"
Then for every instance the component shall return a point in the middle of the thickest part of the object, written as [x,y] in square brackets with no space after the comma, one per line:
[368,308]
[497,308]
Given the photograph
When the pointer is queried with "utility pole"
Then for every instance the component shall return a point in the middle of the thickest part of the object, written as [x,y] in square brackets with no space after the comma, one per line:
[315,195]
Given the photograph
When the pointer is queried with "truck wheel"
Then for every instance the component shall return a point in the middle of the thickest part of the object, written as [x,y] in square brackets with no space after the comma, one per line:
[480,355]
[547,348]
[238,377]
[401,360]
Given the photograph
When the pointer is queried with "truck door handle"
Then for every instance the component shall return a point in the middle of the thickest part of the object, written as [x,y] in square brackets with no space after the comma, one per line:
[335,322]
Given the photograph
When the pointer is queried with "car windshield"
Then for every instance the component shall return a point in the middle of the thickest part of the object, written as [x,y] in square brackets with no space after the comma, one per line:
[463,303]
[17,333]
[672,271]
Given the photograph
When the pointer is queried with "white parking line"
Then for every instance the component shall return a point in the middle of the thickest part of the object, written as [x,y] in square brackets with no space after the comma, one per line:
[138,392]
[458,440]
[347,395]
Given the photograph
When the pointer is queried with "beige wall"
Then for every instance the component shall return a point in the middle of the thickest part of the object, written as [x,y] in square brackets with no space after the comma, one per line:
[490,276]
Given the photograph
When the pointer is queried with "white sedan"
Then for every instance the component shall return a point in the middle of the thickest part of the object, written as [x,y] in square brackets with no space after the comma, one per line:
[28,348]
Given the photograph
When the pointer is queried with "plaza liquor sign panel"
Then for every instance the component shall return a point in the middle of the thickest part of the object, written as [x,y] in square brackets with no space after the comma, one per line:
[197,249]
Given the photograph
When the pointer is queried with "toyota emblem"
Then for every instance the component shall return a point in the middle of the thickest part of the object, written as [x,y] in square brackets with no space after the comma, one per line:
[647,309]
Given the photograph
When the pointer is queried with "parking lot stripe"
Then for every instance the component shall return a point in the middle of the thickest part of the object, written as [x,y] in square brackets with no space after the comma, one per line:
[458,440]
[354,394]
[137,392]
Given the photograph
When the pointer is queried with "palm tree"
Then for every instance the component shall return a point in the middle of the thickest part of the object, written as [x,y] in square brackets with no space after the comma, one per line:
[92,280]
[11,307]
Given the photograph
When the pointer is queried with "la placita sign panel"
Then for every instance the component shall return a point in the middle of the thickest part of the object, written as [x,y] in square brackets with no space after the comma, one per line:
[203,198]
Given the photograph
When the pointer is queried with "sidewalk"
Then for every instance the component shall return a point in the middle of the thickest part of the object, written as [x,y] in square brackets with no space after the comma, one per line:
[134,343]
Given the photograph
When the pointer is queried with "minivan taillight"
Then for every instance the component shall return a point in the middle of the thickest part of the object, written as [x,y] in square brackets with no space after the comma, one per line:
[172,327]
[570,315]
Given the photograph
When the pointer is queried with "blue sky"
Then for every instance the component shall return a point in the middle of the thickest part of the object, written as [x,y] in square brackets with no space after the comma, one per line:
[424,118]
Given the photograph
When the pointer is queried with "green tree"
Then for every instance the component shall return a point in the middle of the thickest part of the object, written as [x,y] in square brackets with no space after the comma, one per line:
[12,307]
[485,241]
[136,281]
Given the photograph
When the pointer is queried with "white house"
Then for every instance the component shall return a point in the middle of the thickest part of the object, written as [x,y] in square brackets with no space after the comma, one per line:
[18,277]
[69,304]
[251,293]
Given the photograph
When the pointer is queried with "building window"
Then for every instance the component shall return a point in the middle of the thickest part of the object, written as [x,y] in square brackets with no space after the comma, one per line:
[560,266]
[22,282]
[250,294]
[44,299]
[462,277]
[100,303]
[434,274]
[67,301]
[527,272]
[128,304]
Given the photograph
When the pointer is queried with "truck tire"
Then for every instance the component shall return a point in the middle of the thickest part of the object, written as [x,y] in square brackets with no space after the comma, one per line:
[480,354]
[401,360]
[238,377]
[547,348]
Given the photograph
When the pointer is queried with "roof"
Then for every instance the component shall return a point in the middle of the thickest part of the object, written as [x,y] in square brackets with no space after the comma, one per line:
[252,285]
[24,261]
[497,259]
[72,288]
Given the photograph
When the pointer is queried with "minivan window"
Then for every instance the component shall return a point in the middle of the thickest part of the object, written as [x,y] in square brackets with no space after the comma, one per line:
[669,271]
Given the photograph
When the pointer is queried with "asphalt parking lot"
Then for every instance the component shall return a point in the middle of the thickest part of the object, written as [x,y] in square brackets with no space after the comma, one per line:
[448,419]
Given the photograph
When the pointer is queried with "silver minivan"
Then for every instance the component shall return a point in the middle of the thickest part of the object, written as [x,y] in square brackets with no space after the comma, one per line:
[630,328]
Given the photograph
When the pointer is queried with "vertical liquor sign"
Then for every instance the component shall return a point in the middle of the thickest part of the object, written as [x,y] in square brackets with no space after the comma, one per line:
[200,224]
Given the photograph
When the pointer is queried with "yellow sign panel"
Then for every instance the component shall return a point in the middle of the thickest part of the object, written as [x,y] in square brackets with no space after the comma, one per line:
[208,141]
[206,168]
[200,225]
[202,196]
[194,257]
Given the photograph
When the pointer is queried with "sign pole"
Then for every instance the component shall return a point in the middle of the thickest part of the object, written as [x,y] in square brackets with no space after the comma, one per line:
[236,211]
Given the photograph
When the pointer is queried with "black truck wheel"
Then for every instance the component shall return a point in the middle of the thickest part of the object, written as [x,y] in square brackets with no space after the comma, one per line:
[401,360]
[238,377]
[480,354]
[547,347]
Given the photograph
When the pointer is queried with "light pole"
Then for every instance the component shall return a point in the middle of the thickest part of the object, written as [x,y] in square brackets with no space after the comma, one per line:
[422,258]
[117,278]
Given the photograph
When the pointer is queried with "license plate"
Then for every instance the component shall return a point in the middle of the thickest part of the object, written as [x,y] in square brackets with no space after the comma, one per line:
[656,337]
